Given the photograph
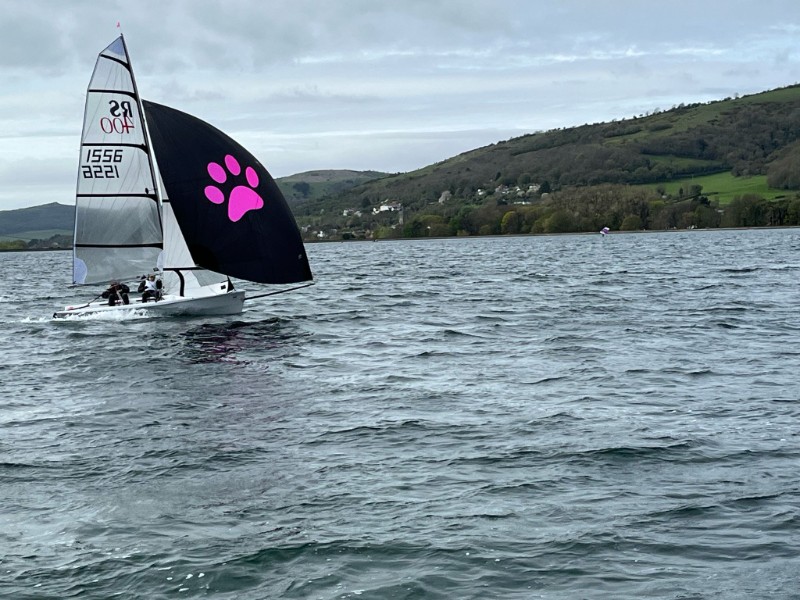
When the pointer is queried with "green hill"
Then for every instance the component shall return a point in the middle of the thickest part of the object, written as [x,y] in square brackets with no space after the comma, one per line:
[47,221]
[53,216]
[716,151]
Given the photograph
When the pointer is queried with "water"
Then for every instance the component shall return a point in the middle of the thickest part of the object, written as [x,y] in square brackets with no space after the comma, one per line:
[534,417]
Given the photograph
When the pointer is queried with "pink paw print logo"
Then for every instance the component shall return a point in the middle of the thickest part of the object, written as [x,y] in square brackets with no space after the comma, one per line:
[242,197]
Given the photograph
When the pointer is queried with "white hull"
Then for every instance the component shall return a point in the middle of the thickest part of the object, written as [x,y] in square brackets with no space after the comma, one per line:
[228,303]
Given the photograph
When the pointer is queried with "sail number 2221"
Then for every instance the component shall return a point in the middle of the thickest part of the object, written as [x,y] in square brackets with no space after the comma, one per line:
[102,163]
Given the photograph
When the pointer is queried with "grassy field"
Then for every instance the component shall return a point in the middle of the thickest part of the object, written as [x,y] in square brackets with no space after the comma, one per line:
[724,187]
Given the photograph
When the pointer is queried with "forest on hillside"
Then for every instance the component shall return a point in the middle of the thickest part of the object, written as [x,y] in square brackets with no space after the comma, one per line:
[56,242]
[588,209]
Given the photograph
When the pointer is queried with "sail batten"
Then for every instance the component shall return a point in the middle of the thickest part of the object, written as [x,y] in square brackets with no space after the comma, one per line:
[130,94]
[121,144]
[148,196]
[118,246]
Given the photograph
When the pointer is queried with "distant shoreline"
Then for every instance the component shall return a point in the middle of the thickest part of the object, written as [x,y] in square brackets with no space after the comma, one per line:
[593,233]
[472,237]
[35,249]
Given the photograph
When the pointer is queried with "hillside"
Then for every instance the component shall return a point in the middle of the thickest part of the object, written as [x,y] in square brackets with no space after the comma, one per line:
[744,136]
[48,226]
[313,185]
[752,142]
[53,217]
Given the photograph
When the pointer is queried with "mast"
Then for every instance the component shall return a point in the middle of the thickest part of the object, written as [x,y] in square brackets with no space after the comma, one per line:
[147,143]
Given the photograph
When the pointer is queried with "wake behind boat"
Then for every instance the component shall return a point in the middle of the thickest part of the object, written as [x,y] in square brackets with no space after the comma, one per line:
[162,191]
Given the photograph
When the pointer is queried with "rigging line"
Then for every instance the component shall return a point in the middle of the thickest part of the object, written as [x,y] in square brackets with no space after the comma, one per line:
[299,287]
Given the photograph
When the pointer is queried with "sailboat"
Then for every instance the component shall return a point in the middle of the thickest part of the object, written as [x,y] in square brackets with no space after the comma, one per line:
[161,191]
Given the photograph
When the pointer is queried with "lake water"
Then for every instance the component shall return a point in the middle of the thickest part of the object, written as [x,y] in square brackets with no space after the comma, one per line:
[531,417]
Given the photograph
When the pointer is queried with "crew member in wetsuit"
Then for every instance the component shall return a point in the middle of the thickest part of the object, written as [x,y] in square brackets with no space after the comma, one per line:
[117,292]
[151,288]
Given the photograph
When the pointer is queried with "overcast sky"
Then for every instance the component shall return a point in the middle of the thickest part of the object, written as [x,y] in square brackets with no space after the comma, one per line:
[374,84]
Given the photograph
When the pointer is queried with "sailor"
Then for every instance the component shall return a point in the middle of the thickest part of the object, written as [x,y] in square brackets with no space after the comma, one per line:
[151,288]
[117,292]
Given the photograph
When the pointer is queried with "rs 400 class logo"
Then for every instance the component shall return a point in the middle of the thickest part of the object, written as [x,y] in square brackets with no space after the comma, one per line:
[120,120]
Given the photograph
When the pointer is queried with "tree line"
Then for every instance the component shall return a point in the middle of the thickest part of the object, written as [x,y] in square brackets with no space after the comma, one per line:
[56,242]
[621,208]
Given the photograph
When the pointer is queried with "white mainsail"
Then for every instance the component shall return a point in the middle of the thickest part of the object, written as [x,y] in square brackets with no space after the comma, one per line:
[118,231]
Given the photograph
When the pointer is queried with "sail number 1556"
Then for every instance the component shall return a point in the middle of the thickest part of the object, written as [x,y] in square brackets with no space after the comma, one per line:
[102,163]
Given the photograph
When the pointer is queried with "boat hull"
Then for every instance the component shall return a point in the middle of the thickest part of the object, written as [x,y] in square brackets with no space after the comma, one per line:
[229,303]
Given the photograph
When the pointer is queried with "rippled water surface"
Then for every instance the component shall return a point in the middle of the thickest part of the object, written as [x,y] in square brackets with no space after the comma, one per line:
[533,417]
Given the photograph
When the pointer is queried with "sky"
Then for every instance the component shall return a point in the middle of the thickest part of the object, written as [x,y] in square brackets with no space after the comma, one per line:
[384,85]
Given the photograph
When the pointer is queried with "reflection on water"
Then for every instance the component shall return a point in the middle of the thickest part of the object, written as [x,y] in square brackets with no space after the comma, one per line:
[238,340]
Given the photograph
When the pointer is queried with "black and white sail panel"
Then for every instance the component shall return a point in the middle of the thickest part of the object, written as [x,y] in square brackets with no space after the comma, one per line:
[233,217]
